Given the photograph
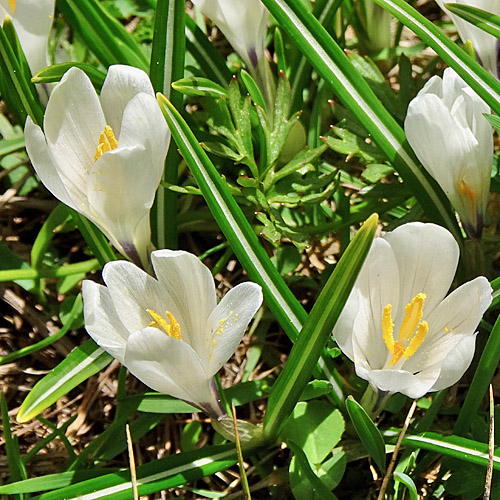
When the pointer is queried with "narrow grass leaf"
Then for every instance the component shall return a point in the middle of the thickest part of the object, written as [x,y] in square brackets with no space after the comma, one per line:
[197,85]
[408,482]
[54,73]
[317,330]
[27,273]
[83,362]
[368,433]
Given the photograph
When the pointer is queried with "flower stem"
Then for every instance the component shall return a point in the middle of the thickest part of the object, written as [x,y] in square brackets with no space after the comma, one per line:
[373,401]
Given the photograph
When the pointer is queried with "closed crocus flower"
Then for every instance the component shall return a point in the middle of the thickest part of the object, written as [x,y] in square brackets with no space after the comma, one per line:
[485,45]
[243,23]
[170,332]
[398,326]
[33,21]
[446,128]
[104,156]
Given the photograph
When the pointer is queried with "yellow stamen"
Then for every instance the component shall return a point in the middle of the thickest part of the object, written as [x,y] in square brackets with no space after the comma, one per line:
[413,314]
[470,193]
[417,340]
[172,328]
[12,4]
[107,142]
[408,340]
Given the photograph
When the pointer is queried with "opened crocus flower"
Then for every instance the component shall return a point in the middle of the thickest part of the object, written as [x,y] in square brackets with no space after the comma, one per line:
[398,326]
[104,156]
[32,20]
[170,332]
[446,128]
[485,45]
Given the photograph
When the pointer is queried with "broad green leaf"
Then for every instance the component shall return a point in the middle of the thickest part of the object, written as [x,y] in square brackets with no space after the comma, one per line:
[370,436]
[316,427]
[79,365]
[317,330]
[241,236]
[155,476]
[332,64]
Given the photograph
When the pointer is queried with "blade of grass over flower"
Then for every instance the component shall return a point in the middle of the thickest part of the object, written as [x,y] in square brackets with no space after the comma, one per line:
[85,361]
[483,375]
[155,476]
[167,65]
[485,20]
[476,76]
[102,33]
[317,330]
[241,236]
[18,92]
[333,65]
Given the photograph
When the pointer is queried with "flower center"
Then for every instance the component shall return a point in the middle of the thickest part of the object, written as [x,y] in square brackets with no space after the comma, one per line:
[470,193]
[12,4]
[412,332]
[171,328]
[107,142]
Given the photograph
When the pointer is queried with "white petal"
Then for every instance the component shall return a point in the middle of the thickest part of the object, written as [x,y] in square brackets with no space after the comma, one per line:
[101,320]
[456,363]
[121,85]
[169,366]
[229,321]
[377,285]
[134,292]
[427,257]
[192,290]
[344,328]
[44,165]
[73,122]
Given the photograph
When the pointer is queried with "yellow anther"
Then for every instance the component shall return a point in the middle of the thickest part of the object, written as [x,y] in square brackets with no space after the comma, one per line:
[409,340]
[417,340]
[107,142]
[413,314]
[470,193]
[171,328]
[388,328]
[12,4]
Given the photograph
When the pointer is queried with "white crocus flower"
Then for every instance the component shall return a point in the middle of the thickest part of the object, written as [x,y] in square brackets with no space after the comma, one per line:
[446,128]
[32,20]
[485,45]
[398,326]
[243,23]
[170,332]
[104,156]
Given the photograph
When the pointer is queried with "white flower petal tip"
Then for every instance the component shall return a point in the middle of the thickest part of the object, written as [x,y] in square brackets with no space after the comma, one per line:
[398,326]
[452,139]
[169,331]
[104,157]
[243,23]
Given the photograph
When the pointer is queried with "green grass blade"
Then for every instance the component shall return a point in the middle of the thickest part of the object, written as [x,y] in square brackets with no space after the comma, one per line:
[317,330]
[82,363]
[408,482]
[482,378]
[482,19]
[167,65]
[54,73]
[477,77]
[241,236]
[103,34]
[332,64]
[59,272]
[162,474]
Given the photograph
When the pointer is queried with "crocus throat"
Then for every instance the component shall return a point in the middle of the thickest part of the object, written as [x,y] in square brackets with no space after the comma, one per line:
[471,194]
[107,142]
[411,333]
[171,328]
[12,4]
